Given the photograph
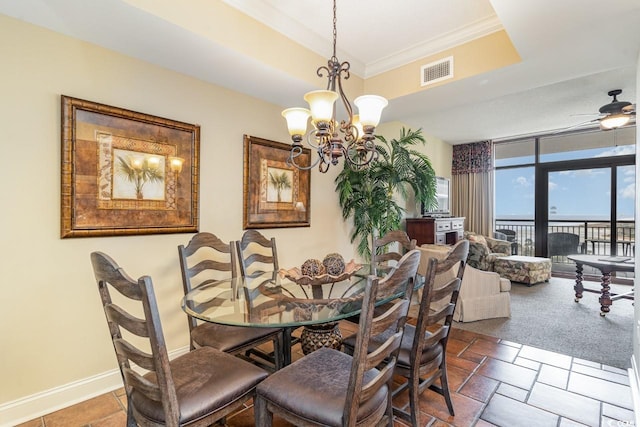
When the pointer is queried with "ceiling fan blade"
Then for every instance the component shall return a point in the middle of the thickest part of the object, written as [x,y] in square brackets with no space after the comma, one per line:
[575,126]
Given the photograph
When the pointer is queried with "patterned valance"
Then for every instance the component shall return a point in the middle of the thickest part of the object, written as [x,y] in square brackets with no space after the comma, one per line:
[472,158]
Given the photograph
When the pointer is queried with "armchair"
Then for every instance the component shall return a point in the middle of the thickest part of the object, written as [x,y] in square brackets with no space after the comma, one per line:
[483,294]
[484,250]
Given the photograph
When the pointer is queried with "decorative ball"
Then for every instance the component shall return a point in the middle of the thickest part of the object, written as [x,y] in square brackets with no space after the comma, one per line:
[312,268]
[334,264]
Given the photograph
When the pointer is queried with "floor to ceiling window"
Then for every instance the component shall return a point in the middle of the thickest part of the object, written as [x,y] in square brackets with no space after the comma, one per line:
[580,184]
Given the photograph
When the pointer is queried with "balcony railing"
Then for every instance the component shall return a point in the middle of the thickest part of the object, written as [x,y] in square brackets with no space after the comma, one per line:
[595,236]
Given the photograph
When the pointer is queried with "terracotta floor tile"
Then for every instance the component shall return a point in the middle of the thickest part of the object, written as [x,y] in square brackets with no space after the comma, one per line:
[494,350]
[462,334]
[456,377]
[38,422]
[601,373]
[479,388]
[472,356]
[544,356]
[84,413]
[467,410]
[461,363]
[506,412]
[118,419]
[596,388]
[508,373]
[554,376]
[455,346]
[565,403]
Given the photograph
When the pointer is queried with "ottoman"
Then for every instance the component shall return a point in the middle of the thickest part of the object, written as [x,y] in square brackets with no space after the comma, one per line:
[523,269]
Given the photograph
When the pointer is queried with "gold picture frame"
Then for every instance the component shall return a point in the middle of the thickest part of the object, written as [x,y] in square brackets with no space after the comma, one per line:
[276,194]
[126,173]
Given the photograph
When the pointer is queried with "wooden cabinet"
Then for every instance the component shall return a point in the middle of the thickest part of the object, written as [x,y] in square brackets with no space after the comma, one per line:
[441,231]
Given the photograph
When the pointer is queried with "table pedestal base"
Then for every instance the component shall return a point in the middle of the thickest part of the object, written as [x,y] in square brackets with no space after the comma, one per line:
[323,335]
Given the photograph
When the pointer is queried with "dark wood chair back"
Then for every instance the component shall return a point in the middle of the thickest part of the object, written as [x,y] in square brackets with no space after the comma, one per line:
[256,253]
[205,260]
[180,392]
[422,354]
[356,389]
[381,253]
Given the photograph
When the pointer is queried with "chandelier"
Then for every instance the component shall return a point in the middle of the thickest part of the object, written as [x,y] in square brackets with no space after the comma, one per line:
[351,138]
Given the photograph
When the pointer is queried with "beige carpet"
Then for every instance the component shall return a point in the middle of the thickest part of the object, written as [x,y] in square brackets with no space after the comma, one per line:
[546,316]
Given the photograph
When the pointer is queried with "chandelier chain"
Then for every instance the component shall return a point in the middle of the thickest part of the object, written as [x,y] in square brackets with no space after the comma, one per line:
[335,30]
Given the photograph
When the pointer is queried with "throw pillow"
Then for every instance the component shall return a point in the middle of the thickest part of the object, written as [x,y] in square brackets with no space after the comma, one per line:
[478,238]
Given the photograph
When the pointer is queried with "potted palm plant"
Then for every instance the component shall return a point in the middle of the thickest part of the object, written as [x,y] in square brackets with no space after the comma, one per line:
[371,196]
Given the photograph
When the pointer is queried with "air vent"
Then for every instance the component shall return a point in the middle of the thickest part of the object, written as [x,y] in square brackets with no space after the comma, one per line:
[436,71]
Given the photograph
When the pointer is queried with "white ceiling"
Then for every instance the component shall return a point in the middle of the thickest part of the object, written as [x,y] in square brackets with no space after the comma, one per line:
[573,52]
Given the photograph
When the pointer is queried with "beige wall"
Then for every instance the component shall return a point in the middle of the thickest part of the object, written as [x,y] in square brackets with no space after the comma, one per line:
[53,334]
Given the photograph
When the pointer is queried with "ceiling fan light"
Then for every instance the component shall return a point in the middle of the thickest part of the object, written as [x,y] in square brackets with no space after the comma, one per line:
[370,108]
[614,121]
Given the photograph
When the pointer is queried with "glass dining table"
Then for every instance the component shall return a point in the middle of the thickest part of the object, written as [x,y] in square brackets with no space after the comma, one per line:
[271,300]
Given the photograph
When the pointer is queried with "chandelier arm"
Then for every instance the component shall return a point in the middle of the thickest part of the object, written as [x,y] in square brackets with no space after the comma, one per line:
[294,154]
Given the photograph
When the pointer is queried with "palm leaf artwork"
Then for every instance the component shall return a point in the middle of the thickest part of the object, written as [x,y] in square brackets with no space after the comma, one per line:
[370,196]
[280,181]
[138,172]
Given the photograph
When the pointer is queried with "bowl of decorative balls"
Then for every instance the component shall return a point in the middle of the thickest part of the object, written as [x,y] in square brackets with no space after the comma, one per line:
[315,272]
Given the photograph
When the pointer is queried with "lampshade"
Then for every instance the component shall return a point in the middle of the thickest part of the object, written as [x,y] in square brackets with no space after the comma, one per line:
[614,121]
[296,120]
[321,104]
[370,108]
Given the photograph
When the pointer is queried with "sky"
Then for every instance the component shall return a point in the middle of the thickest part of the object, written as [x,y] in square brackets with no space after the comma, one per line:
[573,194]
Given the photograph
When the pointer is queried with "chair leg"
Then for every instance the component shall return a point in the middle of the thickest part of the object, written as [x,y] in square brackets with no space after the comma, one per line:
[414,399]
[445,388]
[278,351]
[263,417]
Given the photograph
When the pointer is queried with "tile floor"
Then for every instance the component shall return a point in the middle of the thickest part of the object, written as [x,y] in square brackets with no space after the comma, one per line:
[494,383]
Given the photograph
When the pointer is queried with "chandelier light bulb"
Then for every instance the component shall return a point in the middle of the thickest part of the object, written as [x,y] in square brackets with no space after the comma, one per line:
[321,104]
[370,108]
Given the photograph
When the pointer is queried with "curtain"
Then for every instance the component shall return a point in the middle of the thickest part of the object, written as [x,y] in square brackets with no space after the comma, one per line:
[472,186]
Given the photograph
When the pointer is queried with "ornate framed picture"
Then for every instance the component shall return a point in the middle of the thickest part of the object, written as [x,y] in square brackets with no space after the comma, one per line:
[126,173]
[275,193]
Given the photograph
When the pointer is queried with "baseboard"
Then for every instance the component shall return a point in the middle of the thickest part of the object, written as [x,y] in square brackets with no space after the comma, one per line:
[634,382]
[48,401]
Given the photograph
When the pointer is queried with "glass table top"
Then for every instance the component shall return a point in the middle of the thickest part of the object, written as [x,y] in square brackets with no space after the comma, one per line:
[270,300]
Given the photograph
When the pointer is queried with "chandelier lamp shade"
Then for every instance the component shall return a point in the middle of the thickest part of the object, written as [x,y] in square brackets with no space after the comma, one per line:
[351,138]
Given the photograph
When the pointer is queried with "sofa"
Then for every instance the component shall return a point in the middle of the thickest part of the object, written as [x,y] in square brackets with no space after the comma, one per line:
[484,250]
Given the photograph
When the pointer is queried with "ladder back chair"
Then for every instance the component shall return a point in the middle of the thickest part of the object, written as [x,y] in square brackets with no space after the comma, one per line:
[381,254]
[195,389]
[422,356]
[205,260]
[331,388]
[257,254]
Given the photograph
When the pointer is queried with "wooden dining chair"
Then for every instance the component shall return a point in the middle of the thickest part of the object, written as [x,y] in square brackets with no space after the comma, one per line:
[207,259]
[382,255]
[256,254]
[332,388]
[194,389]
[422,357]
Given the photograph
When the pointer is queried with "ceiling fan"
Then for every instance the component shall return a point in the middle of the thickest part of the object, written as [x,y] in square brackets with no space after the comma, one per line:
[614,114]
